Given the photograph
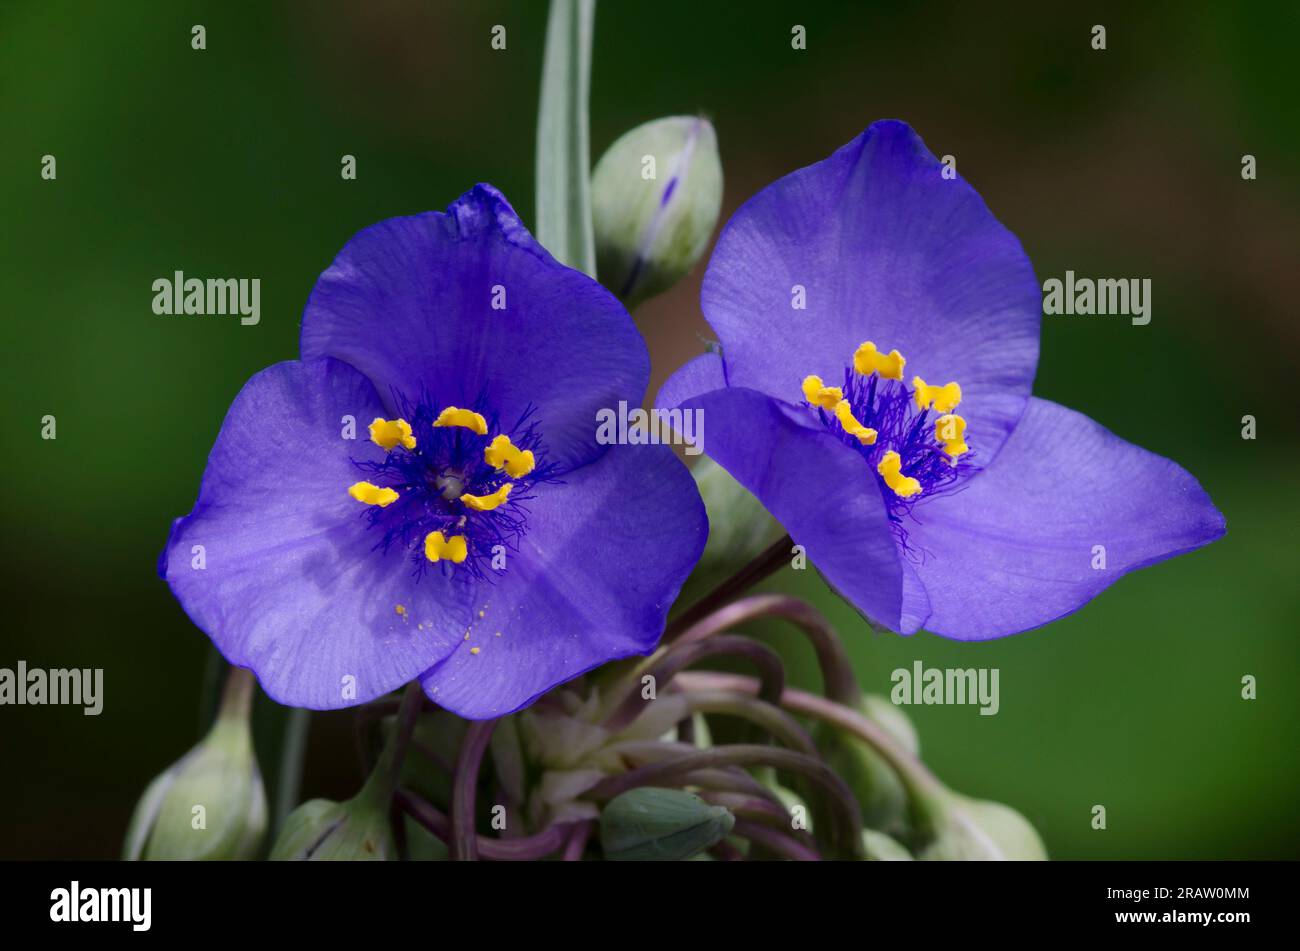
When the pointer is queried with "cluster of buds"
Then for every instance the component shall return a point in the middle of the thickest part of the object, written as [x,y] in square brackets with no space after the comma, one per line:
[626,763]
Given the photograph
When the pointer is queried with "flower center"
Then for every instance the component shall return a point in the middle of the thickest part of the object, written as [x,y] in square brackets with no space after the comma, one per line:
[451,486]
[910,436]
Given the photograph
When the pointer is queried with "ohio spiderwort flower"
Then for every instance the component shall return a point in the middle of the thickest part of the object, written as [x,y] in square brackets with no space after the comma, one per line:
[422,494]
[879,336]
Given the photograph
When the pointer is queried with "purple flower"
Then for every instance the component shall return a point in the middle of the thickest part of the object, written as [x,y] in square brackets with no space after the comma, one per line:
[423,495]
[975,522]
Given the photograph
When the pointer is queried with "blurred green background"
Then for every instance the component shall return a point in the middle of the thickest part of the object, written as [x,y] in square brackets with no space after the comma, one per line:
[226,162]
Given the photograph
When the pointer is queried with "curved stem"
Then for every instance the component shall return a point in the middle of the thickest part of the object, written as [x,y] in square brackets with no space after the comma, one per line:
[843,807]
[914,774]
[773,815]
[680,656]
[523,849]
[463,844]
[731,779]
[768,716]
[764,564]
[777,842]
[839,681]
[577,841]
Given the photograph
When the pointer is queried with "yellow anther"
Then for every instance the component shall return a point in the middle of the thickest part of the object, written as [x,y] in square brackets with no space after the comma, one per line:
[867,360]
[944,398]
[389,432]
[436,547]
[486,503]
[817,393]
[890,468]
[503,456]
[844,413]
[372,494]
[452,416]
[951,431]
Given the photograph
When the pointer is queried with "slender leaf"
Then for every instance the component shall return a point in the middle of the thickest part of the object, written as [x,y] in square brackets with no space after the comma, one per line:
[563,150]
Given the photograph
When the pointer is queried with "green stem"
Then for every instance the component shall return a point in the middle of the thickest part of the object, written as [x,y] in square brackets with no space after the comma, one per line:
[237,694]
[763,565]
[293,754]
[384,778]
[214,667]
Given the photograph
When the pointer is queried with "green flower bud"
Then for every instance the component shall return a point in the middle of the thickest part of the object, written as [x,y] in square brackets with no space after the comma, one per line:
[655,198]
[321,830]
[211,804]
[358,829]
[964,829]
[649,824]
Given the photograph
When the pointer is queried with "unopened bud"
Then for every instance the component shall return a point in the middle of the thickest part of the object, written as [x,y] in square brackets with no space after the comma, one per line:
[878,847]
[321,830]
[211,804]
[655,198]
[666,825]
[963,829]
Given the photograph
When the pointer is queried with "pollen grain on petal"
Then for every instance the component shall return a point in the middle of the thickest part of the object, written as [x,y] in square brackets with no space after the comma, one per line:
[819,394]
[850,424]
[943,398]
[467,418]
[437,547]
[486,503]
[388,433]
[950,430]
[867,360]
[505,457]
[890,469]
[372,494]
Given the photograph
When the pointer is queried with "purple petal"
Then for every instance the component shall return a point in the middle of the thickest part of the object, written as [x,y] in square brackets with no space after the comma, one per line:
[888,251]
[605,555]
[409,302]
[818,488]
[1015,548]
[291,587]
